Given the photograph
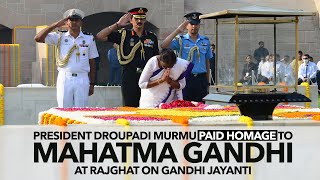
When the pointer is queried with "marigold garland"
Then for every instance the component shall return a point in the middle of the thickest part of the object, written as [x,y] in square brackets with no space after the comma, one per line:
[316,118]
[1,104]
[72,109]
[122,121]
[49,119]
[180,115]
[306,84]
[297,115]
[247,120]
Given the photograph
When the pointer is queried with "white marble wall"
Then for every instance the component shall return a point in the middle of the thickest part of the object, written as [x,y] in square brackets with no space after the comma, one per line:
[22,105]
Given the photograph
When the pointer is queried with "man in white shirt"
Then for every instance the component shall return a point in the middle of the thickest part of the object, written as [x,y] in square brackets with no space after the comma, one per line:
[318,76]
[76,51]
[286,74]
[267,70]
[307,71]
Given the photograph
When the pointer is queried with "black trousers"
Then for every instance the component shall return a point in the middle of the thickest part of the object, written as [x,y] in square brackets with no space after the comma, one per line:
[130,89]
[213,76]
[196,88]
[318,79]
[263,79]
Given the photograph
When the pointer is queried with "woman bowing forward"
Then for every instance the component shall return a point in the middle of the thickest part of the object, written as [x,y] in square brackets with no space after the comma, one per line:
[163,79]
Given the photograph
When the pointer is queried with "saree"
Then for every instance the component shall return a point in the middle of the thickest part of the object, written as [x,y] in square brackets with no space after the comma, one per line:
[162,93]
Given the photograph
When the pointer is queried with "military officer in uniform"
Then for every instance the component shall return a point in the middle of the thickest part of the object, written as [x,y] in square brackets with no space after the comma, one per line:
[194,48]
[136,46]
[76,53]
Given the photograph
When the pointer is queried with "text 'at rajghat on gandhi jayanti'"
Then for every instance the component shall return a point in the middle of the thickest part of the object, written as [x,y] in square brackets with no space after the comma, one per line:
[196,170]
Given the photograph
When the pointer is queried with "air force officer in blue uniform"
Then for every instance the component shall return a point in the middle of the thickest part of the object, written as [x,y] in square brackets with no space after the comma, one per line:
[194,48]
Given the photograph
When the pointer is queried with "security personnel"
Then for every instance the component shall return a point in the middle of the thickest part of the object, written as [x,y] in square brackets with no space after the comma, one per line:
[195,48]
[136,46]
[76,53]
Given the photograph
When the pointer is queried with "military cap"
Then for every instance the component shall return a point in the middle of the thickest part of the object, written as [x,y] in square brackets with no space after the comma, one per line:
[139,12]
[193,17]
[74,14]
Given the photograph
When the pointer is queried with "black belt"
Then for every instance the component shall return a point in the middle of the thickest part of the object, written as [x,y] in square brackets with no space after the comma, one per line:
[73,74]
[198,74]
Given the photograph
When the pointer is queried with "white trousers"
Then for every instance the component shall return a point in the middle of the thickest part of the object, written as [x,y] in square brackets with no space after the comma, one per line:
[72,89]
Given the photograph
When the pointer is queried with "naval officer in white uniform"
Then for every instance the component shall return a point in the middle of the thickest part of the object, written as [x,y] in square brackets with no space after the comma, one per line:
[76,51]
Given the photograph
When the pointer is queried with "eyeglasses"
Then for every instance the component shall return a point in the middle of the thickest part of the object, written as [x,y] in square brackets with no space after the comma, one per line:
[305,58]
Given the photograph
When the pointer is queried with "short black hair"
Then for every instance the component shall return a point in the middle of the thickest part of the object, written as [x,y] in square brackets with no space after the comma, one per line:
[168,56]
[307,55]
[261,42]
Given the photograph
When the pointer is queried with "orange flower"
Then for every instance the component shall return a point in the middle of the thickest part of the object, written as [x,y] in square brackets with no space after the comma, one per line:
[52,119]
[62,122]
[42,118]
[57,120]
[70,121]
[297,115]
[183,120]
[46,119]
[282,84]
[122,121]
[316,118]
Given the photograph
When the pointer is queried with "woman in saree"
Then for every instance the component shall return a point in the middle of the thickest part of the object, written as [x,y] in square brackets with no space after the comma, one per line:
[163,79]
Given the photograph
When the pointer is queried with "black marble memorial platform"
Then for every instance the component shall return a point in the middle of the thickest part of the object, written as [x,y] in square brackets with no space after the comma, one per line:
[258,106]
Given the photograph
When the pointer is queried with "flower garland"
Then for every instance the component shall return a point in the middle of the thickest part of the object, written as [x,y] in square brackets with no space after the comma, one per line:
[130,117]
[297,115]
[247,120]
[122,121]
[47,119]
[176,104]
[307,92]
[1,104]
[72,109]
[180,115]
[316,118]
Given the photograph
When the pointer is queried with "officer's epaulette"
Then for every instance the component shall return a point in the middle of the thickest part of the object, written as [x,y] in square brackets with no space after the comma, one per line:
[63,31]
[86,33]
